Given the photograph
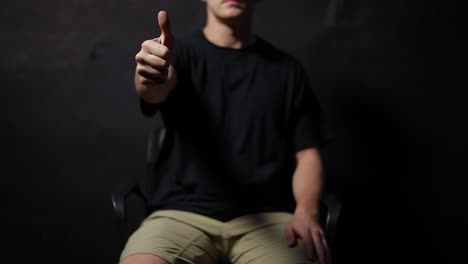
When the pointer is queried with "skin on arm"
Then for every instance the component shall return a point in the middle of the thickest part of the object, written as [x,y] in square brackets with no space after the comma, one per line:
[154,76]
[307,186]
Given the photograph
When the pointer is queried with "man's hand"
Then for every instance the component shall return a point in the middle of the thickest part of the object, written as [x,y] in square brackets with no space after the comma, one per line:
[306,227]
[153,67]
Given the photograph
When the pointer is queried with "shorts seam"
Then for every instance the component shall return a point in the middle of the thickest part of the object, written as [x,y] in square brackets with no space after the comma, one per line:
[182,250]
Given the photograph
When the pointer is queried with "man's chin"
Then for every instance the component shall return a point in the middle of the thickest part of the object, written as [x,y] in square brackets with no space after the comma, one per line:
[233,16]
[233,13]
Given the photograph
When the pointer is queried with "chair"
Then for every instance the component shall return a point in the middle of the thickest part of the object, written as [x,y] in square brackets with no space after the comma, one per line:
[330,204]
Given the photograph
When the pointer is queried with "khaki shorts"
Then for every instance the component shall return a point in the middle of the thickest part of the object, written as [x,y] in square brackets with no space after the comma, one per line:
[183,237]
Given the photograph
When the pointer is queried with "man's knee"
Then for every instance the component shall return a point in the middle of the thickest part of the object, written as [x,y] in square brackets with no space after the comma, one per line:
[143,259]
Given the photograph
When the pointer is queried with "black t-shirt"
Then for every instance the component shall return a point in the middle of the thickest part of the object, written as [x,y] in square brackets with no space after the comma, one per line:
[233,125]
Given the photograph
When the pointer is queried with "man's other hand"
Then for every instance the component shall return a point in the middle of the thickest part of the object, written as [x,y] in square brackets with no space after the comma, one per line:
[306,227]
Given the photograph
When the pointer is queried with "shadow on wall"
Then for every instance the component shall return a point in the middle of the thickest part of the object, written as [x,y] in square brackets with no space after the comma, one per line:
[384,161]
[383,167]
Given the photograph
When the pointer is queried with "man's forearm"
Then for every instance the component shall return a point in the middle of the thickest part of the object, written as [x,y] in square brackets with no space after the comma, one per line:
[307,181]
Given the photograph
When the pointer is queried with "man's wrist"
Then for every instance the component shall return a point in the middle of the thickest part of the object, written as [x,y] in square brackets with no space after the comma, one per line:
[310,210]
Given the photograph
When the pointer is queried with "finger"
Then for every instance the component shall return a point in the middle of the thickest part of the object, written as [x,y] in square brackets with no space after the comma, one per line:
[151,73]
[316,237]
[152,61]
[325,243]
[156,49]
[290,237]
[149,81]
[165,26]
[308,244]
[145,81]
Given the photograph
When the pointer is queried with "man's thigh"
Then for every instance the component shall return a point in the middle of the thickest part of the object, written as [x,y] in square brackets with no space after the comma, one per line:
[143,259]
[172,240]
[267,245]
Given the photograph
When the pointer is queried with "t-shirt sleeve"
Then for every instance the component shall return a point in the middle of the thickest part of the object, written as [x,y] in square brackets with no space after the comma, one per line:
[306,113]
[178,60]
[148,109]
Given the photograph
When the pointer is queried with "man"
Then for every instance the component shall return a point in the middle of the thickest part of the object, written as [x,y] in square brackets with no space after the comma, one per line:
[240,173]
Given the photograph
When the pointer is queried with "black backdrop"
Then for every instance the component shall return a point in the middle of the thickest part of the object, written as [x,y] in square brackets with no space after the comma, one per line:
[71,128]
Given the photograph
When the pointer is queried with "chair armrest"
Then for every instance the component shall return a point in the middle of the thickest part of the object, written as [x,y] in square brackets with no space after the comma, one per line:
[333,206]
[119,198]
[141,186]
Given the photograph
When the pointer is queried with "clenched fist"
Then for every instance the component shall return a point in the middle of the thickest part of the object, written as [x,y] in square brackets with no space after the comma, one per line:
[154,76]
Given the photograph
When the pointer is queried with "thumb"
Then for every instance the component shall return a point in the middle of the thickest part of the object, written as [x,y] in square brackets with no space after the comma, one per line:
[290,236]
[165,26]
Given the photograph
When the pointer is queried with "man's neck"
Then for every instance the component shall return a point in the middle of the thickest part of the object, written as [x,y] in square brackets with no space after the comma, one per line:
[233,35]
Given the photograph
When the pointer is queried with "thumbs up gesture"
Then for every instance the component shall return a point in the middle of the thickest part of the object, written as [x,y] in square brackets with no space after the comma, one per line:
[166,37]
[153,67]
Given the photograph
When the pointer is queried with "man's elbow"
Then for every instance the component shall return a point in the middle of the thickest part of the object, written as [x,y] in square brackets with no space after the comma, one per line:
[308,155]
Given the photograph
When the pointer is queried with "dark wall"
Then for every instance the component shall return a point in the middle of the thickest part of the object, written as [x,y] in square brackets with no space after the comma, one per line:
[71,128]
